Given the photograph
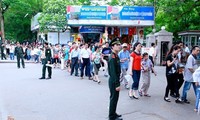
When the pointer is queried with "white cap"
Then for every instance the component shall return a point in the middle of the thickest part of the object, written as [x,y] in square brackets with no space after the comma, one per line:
[124,45]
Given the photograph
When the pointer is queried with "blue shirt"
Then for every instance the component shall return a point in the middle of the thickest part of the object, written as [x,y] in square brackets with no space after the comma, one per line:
[67,54]
[124,54]
[75,53]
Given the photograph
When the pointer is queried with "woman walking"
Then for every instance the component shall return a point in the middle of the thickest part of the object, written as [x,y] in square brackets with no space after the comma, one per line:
[96,58]
[171,70]
[135,64]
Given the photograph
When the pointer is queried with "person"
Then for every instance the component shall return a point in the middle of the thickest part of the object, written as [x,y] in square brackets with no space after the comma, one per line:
[135,64]
[187,50]
[3,55]
[178,82]
[152,53]
[85,54]
[56,57]
[190,67]
[171,70]
[147,66]
[105,53]
[96,58]
[196,78]
[74,60]
[47,62]
[114,71]
[124,57]
[12,51]
[19,52]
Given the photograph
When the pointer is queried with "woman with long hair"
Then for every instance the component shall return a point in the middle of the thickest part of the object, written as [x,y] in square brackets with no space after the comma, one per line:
[171,70]
[135,64]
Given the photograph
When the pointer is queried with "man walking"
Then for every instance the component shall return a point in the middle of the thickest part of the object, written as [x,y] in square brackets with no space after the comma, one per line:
[124,57]
[114,71]
[19,52]
[105,53]
[191,66]
[74,60]
[47,63]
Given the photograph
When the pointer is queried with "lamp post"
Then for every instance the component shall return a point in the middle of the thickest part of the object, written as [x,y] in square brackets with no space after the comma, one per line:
[154,4]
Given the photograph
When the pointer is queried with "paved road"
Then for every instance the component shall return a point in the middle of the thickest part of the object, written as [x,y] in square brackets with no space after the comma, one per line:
[64,97]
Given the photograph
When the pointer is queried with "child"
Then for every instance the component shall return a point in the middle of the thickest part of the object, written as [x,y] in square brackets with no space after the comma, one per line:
[196,78]
[147,66]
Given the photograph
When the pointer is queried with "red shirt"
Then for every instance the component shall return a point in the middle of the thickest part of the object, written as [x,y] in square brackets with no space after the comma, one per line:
[136,65]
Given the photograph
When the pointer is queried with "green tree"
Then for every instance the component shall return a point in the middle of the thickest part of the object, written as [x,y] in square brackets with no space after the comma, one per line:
[53,17]
[17,18]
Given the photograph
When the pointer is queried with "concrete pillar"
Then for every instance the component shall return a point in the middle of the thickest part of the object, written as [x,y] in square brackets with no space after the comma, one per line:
[163,38]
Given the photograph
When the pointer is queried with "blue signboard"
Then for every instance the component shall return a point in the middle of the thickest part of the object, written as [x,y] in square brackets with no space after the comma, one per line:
[93,12]
[137,13]
[110,13]
[92,29]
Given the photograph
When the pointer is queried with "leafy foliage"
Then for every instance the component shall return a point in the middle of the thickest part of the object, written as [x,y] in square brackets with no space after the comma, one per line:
[17,18]
[175,15]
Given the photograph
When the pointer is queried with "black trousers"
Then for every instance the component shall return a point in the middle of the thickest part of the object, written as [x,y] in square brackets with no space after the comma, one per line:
[86,63]
[74,65]
[177,83]
[171,83]
[151,58]
[20,57]
[44,71]
[3,56]
[114,96]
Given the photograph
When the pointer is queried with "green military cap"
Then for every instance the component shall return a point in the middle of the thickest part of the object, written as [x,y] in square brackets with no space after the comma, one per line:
[115,41]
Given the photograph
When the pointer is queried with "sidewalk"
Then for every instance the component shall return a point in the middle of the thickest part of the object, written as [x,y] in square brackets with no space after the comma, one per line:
[14,61]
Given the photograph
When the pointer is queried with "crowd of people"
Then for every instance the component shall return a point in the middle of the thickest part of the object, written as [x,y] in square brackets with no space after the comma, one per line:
[85,60]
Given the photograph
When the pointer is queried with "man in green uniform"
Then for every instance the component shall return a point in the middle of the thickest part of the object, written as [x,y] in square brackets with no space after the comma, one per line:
[114,71]
[19,52]
[47,63]
[3,56]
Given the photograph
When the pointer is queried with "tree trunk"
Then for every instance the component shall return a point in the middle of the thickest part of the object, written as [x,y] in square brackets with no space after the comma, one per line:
[2,23]
[58,37]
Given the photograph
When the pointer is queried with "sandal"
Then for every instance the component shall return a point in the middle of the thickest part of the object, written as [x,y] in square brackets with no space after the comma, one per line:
[195,110]
[140,93]
[147,95]
[130,95]
[167,99]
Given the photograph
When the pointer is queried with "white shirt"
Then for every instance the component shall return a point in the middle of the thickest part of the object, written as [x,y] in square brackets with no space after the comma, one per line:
[12,49]
[151,51]
[85,53]
[191,63]
[196,76]
[187,50]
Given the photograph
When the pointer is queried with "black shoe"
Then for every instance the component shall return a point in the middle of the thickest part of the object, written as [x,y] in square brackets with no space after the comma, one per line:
[42,78]
[186,101]
[178,100]
[118,115]
[135,97]
[48,78]
[118,118]
[167,99]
